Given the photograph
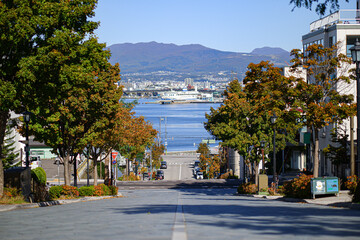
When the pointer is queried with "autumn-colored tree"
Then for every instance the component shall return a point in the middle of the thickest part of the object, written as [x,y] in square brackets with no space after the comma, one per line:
[243,121]
[209,164]
[203,149]
[137,135]
[322,103]
[157,150]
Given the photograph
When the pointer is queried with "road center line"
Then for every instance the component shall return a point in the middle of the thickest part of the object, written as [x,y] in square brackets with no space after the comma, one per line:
[179,229]
[180,172]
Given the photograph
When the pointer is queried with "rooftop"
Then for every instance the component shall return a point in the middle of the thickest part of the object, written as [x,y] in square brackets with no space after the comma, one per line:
[340,17]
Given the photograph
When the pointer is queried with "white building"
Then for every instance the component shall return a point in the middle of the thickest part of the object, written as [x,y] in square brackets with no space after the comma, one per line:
[342,26]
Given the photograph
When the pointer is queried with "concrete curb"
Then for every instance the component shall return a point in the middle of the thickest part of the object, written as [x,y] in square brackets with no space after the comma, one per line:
[4,208]
[340,204]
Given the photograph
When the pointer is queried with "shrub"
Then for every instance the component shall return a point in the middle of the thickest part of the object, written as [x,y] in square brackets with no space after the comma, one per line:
[356,197]
[98,191]
[69,191]
[86,191]
[105,189]
[113,190]
[55,192]
[351,183]
[247,188]
[298,187]
[12,196]
[228,175]
[39,175]
[11,192]
[273,190]
[131,177]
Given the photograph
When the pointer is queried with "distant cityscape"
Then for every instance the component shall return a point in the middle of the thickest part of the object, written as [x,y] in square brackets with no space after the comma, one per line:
[161,80]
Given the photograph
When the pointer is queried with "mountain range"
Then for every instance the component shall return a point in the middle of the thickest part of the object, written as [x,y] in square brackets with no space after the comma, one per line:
[192,58]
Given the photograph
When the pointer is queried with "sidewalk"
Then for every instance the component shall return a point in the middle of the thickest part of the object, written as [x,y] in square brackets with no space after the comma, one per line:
[343,200]
[53,203]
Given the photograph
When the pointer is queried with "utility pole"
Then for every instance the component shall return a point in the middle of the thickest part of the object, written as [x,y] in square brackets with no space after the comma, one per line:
[165,136]
[352,152]
[160,131]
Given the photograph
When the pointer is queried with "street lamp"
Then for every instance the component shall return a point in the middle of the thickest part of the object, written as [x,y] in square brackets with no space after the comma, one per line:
[26,115]
[355,54]
[262,145]
[273,120]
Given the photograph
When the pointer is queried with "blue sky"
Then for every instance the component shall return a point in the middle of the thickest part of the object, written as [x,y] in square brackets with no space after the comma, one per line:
[227,25]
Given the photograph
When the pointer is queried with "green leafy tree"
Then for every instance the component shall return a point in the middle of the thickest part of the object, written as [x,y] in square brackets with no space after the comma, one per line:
[37,44]
[8,153]
[321,5]
[67,78]
[322,103]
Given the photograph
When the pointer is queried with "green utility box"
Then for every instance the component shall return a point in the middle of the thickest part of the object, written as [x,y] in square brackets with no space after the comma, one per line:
[324,185]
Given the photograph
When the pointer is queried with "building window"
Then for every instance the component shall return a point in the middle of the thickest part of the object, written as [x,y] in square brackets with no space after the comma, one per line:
[350,42]
[37,152]
[332,41]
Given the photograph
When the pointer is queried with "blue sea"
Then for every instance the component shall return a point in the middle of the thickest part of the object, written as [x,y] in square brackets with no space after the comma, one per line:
[181,125]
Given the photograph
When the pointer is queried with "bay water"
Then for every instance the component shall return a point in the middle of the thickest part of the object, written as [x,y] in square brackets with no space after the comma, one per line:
[181,126]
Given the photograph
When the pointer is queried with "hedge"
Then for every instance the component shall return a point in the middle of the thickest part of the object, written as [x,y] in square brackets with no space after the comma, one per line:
[39,175]
[56,192]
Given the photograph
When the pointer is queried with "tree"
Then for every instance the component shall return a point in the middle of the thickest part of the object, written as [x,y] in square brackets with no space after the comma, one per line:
[321,5]
[208,164]
[66,80]
[157,150]
[244,118]
[322,103]
[8,153]
[338,151]
[30,30]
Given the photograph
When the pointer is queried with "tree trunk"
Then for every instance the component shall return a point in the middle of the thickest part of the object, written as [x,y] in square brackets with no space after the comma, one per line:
[250,170]
[107,172]
[256,174]
[95,172]
[4,117]
[316,154]
[67,170]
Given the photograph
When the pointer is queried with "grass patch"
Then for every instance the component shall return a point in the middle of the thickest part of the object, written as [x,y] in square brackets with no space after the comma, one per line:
[12,200]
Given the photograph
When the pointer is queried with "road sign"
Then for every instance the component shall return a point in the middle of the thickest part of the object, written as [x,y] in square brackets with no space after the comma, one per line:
[114,155]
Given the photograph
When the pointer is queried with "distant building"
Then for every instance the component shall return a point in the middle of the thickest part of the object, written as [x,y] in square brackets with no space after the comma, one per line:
[189,81]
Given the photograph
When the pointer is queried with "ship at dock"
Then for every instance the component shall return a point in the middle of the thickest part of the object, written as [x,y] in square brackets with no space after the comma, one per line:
[186,95]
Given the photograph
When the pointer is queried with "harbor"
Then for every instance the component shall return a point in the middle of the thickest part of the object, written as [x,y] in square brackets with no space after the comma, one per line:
[161,101]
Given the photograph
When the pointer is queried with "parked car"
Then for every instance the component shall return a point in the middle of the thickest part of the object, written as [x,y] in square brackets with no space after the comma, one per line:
[163,165]
[195,170]
[199,175]
[196,163]
[35,162]
[146,176]
[159,175]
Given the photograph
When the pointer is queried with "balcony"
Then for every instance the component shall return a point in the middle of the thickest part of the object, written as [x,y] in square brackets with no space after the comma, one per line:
[339,17]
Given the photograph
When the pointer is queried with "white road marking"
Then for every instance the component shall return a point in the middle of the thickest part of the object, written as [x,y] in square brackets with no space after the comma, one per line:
[179,229]
[180,173]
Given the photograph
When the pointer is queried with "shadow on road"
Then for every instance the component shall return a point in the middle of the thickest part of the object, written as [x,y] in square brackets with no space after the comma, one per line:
[265,217]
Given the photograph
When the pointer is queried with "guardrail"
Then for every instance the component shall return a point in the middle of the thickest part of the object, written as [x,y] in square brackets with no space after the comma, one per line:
[339,17]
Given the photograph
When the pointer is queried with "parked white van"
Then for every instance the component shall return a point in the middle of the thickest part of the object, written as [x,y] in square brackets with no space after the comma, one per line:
[35,162]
